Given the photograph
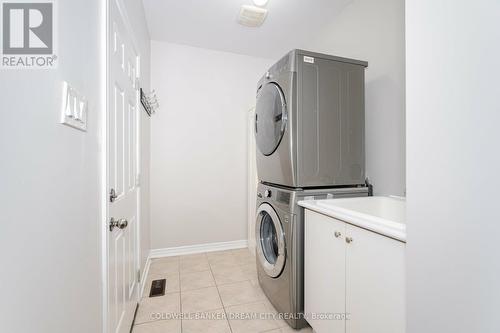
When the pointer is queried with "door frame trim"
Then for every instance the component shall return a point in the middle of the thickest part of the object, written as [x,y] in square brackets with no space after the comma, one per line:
[104,139]
[104,161]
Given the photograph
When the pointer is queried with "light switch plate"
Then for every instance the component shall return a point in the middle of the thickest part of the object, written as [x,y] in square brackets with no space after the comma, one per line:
[74,108]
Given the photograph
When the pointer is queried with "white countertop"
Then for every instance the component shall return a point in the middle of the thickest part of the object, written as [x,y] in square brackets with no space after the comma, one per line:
[383,215]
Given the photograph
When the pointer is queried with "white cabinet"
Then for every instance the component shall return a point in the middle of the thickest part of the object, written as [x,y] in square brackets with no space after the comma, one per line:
[375,282]
[325,254]
[353,271]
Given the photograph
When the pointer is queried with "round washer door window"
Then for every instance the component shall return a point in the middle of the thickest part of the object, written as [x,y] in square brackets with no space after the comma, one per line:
[270,241]
[270,118]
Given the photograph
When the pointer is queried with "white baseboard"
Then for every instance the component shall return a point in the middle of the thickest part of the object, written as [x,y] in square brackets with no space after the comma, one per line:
[144,276]
[199,248]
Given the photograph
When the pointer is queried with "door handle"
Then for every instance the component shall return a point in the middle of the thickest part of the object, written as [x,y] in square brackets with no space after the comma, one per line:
[112,195]
[120,224]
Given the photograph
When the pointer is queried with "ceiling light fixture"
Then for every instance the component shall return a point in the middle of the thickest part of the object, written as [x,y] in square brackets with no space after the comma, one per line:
[252,16]
[260,3]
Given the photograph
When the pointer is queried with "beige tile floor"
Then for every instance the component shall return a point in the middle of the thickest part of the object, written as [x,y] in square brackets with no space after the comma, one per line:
[216,292]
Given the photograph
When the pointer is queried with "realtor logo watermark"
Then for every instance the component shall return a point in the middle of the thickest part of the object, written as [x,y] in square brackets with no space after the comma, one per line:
[28,34]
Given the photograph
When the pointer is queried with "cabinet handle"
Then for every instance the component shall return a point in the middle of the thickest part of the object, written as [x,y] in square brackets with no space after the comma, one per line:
[348,240]
[337,234]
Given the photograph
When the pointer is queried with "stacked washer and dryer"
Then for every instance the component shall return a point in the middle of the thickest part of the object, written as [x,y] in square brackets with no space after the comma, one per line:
[309,130]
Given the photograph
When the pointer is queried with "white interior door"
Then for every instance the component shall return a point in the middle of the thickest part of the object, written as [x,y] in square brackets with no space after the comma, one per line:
[123,249]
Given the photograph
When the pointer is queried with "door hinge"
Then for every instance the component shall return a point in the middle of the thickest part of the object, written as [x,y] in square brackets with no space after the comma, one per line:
[139,276]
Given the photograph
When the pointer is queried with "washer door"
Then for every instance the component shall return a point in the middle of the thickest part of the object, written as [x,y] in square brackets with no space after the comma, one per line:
[270,240]
[270,118]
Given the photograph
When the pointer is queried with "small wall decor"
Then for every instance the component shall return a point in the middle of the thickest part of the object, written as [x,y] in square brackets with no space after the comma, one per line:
[149,102]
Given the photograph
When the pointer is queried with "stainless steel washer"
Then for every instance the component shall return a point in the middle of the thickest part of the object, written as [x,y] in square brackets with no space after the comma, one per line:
[279,234]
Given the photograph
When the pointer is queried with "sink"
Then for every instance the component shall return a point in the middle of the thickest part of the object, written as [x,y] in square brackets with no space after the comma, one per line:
[384,215]
[388,208]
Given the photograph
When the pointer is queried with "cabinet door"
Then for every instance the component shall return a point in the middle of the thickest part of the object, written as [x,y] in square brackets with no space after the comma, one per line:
[375,283]
[324,268]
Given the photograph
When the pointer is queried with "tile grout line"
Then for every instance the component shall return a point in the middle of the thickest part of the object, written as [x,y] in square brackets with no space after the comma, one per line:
[242,304]
[221,302]
[211,273]
[217,286]
[166,293]
[263,302]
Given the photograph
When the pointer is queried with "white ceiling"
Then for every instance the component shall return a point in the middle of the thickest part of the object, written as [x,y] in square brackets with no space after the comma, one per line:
[213,24]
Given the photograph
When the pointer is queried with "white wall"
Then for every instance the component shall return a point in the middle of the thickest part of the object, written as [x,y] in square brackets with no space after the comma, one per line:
[199,144]
[374,31]
[50,186]
[50,198]
[453,160]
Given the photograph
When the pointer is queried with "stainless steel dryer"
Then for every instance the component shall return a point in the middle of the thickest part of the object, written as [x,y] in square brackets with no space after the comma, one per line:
[279,234]
[309,123]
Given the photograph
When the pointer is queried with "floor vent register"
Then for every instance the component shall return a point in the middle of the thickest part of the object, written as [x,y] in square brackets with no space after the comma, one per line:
[158,288]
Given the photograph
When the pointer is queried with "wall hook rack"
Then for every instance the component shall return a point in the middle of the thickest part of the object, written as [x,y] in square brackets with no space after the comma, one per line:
[150,102]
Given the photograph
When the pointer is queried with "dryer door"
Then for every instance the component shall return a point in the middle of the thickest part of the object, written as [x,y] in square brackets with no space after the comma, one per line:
[270,118]
[270,240]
